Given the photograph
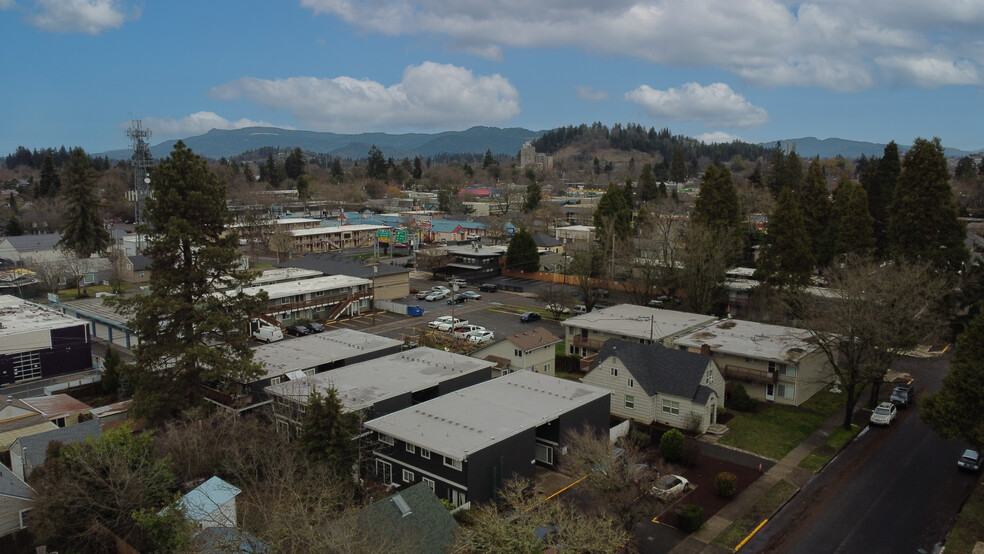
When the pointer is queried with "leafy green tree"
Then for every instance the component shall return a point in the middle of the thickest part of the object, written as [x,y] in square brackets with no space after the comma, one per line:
[294,164]
[851,223]
[717,202]
[815,205]
[522,253]
[103,481]
[678,166]
[328,432]
[671,445]
[50,183]
[923,219]
[531,200]
[191,330]
[786,259]
[955,410]
[83,232]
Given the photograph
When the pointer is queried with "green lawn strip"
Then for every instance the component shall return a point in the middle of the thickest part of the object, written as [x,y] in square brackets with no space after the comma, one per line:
[559,349]
[763,509]
[825,402]
[969,527]
[72,294]
[773,431]
[568,376]
[830,447]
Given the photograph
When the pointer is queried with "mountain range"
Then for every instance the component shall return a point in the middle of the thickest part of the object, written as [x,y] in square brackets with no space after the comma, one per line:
[219,143]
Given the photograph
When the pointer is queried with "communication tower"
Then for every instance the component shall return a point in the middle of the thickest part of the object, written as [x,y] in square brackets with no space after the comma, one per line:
[142,162]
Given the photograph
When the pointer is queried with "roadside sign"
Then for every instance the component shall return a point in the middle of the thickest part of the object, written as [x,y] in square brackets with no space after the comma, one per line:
[383,235]
[401,235]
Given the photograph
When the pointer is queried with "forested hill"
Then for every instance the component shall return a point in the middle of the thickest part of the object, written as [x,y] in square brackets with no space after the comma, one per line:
[636,137]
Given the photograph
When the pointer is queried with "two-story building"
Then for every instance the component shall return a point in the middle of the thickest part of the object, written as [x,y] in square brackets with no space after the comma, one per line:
[324,239]
[475,262]
[326,297]
[389,281]
[585,334]
[38,342]
[528,350]
[465,445]
[775,363]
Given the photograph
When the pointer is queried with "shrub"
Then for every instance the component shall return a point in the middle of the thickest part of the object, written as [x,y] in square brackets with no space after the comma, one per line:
[671,445]
[693,423]
[690,454]
[642,440]
[690,518]
[726,484]
[740,400]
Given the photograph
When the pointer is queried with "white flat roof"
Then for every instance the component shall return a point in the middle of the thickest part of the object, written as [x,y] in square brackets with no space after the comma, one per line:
[284,274]
[335,230]
[753,340]
[363,384]
[302,353]
[304,286]
[21,316]
[639,322]
[471,419]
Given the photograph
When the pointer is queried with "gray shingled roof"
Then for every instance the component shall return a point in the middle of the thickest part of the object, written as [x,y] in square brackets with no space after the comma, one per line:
[544,240]
[334,264]
[660,370]
[140,262]
[35,446]
[30,243]
[11,485]
[428,527]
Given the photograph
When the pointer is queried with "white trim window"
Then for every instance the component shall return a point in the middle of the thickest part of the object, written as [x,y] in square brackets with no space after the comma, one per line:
[630,383]
[425,454]
[410,448]
[408,476]
[614,372]
[630,402]
[386,439]
[430,483]
[671,407]
[452,463]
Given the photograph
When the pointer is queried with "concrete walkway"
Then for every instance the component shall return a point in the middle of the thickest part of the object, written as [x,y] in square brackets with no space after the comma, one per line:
[785,469]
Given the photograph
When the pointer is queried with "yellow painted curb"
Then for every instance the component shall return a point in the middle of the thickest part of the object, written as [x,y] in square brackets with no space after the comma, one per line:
[750,535]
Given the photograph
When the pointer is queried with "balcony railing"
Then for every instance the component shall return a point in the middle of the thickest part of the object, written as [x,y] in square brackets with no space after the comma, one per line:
[588,344]
[750,375]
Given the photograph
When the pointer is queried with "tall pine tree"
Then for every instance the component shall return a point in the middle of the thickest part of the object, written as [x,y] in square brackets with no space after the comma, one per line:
[786,260]
[678,166]
[923,220]
[50,183]
[717,202]
[879,179]
[815,205]
[851,224]
[83,232]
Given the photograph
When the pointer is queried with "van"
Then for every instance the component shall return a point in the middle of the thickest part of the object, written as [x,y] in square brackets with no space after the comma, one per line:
[580,309]
[268,334]
[903,395]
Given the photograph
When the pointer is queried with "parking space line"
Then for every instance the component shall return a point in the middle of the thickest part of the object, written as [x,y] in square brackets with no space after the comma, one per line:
[567,487]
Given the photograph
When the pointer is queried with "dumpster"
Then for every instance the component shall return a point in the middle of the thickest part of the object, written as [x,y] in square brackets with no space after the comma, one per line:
[415,311]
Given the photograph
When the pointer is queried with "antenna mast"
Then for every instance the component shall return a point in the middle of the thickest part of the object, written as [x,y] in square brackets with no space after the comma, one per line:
[142,162]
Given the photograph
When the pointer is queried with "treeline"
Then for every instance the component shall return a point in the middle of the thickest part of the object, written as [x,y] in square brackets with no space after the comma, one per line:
[35,159]
[633,136]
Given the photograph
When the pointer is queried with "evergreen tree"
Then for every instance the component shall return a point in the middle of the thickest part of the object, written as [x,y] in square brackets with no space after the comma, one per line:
[294,164]
[880,178]
[777,178]
[614,213]
[337,173]
[955,410]
[271,172]
[376,164]
[794,170]
[14,226]
[83,232]
[717,202]
[648,187]
[815,205]
[192,324]
[661,172]
[531,200]
[418,171]
[923,220]
[851,223]
[786,260]
[303,186]
[756,178]
[522,253]
[50,183]
[488,160]
[629,191]
[328,432]
[678,166]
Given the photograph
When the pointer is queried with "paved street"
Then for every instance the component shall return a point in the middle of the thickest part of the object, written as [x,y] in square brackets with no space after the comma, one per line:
[893,490]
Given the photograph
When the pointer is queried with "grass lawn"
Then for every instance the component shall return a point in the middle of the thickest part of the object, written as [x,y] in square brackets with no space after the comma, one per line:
[834,443]
[969,527]
[72,294]
[763,509]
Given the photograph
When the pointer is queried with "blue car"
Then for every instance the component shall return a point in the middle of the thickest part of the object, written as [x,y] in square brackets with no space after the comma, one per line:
[527,317]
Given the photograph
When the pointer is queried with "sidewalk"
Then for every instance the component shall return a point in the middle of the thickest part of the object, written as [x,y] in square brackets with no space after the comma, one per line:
[785,469]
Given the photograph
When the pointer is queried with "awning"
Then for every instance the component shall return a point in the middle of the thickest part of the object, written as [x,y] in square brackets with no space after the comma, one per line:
[464,266]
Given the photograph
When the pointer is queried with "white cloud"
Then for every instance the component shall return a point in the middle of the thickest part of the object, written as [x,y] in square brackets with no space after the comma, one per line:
[929,72]
[833,44]
[7,4]
[196,124]
[80,16]
[430,95]
[717,137]
[590,94]
[714,105]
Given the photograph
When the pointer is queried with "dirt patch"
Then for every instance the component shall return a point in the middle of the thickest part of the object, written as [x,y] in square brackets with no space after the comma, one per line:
[702,478]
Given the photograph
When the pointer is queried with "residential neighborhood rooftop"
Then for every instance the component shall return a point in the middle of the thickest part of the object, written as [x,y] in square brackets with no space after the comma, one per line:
[206,498]
[750,339]
[56,405]
[473,418]
[660,370]
[284,274]
[298,354]
[335,230]
[20,316]
[630,320]
[305,286]
[533,338]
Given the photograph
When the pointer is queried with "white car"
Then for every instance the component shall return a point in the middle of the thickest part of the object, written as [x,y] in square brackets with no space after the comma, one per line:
[670,485]
[464,331]
[444,323]
[884,414]
[439,321]
[481,337]
[558,309]
[436,295]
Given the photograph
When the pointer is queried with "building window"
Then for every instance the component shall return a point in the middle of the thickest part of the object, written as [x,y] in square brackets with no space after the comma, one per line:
[671,407]
[25,518]
[614,372]
[709,376]
[425,454]
[546,368]
[411,448]
[630,383]
[787,370]
[518,353]
[629,402]
[385,471]
[780,367]
[309,371]
[275,381]
[456,497]
[407,476]
[452,463]
[27,365]
[386,439]
[786,391]
[430,483]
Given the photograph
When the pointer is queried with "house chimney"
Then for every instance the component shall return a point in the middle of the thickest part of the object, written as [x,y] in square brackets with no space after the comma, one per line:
[705,349]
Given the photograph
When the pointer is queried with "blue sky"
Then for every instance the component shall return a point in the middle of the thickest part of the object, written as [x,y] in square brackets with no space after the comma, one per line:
[75,71]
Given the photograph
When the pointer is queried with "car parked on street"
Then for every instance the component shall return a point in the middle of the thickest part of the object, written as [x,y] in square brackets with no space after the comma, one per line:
[970,460]
[883,414]
[527,317]
[481,337]
[903,395]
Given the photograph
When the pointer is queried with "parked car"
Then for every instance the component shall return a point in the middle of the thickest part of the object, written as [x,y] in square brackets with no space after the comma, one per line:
[600,293]
[462,331]
[488,287]
[458,299]
[459,283]
[670,485]
[481,337]
[435,295]
[558,309]
[970,460]
[268,334]
[527,317]
[441,288]
[471,295]
[580,309]
[903,395]
[423,294]
[884,414]
[297,331]
[314,327]
[445,323]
